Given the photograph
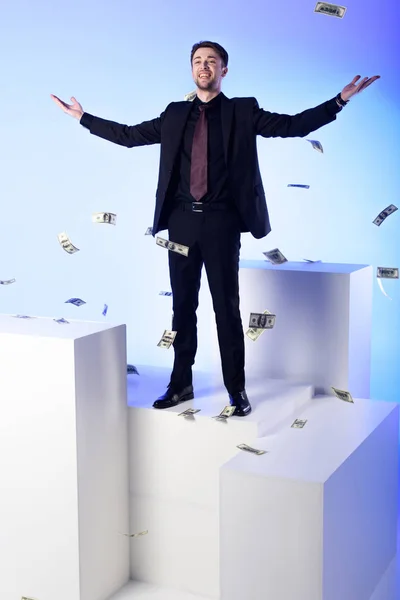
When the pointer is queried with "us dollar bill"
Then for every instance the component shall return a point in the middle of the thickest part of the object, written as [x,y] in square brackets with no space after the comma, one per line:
[75,301]
[189,412]
[247,448]
[343,395]
[23,317]
[165,293]
[387,273]
[254,332]
[275,256]
[149,231]
[167,339]
[389,210]
[105,309]
[104,217]
[225,413]
[299,423]
[132,370]
[173,246]
[299,185]
[332,10]
[263,320]
[316,145]
[7,281]
[61,321]
[190,96]
[135,535]
[66,243]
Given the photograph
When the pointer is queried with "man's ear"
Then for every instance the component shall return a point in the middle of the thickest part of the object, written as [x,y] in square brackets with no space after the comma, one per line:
[224,71]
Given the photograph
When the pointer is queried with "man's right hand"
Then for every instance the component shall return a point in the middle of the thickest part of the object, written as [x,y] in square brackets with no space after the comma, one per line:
[74,110]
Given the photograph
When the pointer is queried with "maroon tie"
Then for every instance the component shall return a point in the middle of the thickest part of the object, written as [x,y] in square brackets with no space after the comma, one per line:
[198,167]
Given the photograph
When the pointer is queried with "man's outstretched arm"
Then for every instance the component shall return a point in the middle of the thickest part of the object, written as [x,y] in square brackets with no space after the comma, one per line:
[147,132]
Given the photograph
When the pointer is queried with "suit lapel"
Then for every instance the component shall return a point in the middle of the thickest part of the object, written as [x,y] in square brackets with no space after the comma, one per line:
[226,120]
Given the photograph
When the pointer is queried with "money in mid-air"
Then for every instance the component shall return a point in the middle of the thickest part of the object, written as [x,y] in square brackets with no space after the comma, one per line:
[189,412]
[262,320]
[387,273]
[316,145]
[135,535]
[250,449]
[165,294]
[132,370]
[254,332]
[343,395]
[331,10]
[167,339]
[178,248]
[299,185]
[149,231]
[105,309]
[384,214]
[225,413]
[61,321]
[23,317]
[308,260]
[104,217]
[190,96]
[75,301]
[299,423]
[6,281]
[66,243]
[275,256]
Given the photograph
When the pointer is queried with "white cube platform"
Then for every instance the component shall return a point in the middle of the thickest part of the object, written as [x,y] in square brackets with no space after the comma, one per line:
[174,472]
[322,332]
[64,459]
[315,517]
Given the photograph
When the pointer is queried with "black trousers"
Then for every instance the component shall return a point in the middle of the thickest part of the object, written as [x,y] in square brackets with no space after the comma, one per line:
[213,238]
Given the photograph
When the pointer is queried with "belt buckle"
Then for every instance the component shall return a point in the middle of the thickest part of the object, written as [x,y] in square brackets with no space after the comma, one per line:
[197,206]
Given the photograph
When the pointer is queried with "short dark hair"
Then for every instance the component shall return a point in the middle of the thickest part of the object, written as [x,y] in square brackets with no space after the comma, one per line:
[217,47]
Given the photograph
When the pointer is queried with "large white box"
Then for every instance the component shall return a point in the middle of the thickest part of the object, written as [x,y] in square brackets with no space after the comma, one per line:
[322,332]
[316,516]
[174,472]
[64,459]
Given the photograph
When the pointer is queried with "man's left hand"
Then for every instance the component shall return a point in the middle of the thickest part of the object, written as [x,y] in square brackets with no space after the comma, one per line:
[354,88]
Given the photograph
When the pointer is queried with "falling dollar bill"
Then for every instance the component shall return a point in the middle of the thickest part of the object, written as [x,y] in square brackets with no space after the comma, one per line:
[189,412]
[149,231]
[61,321]
[75,301]
[179,248]
[275,256]
[263,320]
[343,395]
[190,96]
[331,10]
[384,214]
[387,273]
[165,294]
[316,145]
[225,413]
[6,281]
[135,535]
[299,185]
[254,332]
[66,243]
[105,309]
[132,370]
[26,598]
[167,339]
[299,423]
[250,449]
[104,217]
[23,317]
[308,260]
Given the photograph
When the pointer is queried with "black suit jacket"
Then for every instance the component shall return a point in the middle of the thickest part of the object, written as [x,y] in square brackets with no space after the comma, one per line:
[242,120]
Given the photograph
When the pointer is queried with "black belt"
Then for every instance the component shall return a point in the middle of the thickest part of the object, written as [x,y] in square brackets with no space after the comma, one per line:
[200,207]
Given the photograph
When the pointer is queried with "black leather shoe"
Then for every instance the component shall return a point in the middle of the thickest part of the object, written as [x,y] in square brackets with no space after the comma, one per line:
[174,396]
[241,401]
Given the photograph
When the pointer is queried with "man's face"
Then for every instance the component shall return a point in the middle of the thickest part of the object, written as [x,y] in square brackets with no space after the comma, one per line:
[207,69]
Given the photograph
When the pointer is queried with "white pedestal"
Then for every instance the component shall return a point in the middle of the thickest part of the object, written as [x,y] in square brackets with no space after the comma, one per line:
[64,468]
[323,324]
[316,516]
[174,472]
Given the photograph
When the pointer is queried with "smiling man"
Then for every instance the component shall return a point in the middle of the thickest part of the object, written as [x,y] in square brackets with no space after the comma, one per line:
[209,192]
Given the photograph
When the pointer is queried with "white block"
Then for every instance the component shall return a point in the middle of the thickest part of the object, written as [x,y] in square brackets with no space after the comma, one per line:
[316,516]
[174,472]
[64,471]
[323,324]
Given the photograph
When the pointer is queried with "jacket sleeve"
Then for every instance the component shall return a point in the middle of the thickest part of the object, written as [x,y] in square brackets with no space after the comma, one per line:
[144,134]
[270,124]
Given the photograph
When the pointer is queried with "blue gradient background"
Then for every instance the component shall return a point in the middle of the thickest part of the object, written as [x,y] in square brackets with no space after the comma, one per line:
[126,61]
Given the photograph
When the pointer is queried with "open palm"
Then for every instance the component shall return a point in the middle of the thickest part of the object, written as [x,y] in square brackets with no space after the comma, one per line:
[74,110]
[355,88]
